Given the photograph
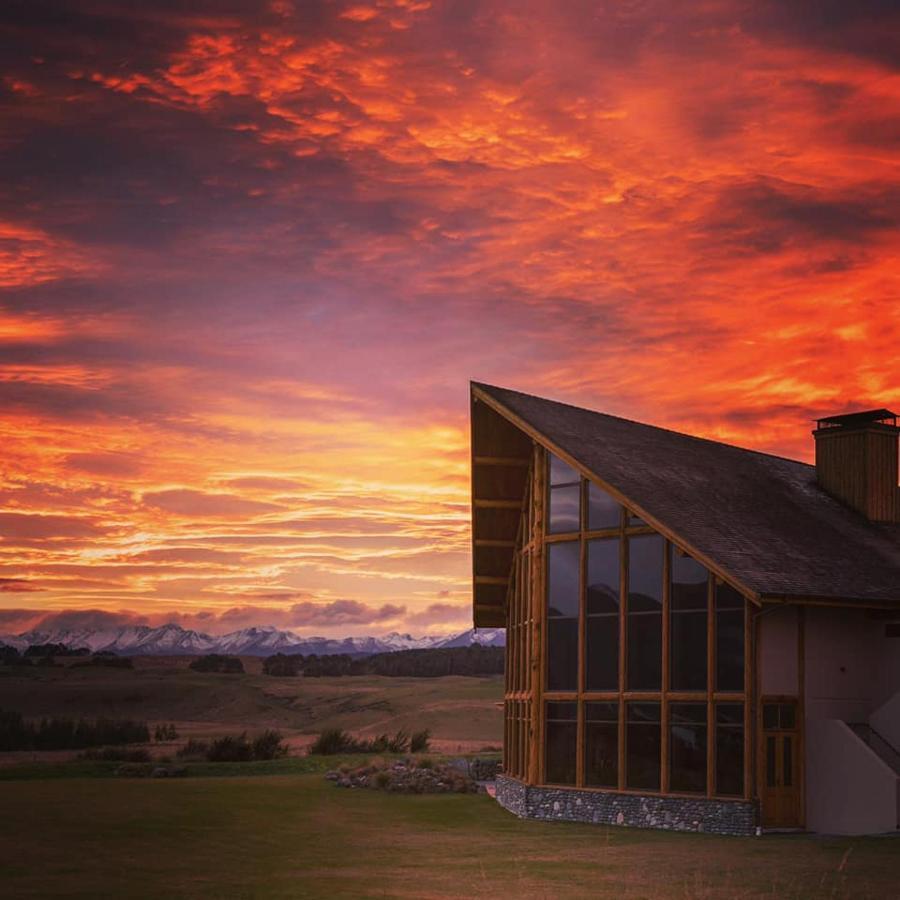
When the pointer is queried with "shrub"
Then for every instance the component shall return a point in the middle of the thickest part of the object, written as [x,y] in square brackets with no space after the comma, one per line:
[231,748]
[193,749]
[332,741]
[164,732]
[214,662]
[269,745]
[425,762]
[420,741]
[382,779]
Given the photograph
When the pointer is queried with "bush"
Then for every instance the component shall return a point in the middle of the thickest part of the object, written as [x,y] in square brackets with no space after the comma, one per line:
[231,748]
[193,749]
[164,732]
[269,745]
[420,741]
[332,741]
[238,748]
[214,662]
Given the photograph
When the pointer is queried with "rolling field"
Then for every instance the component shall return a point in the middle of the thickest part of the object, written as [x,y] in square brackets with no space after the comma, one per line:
[299,836]
[462,713]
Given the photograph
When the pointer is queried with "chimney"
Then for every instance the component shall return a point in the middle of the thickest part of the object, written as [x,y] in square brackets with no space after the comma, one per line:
[856,462]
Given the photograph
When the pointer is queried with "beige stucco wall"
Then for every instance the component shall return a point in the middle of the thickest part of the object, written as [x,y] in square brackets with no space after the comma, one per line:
[778,661]
[849,790]
[844,664]
[851,674]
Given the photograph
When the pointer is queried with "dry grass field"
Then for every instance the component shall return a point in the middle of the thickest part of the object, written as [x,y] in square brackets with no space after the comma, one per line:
[463,714]
[299,836]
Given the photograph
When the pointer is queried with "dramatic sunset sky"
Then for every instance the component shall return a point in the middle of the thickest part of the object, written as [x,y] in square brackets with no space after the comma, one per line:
[251,255]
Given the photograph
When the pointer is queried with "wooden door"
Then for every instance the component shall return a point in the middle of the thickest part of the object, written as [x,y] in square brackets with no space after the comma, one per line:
[782,774]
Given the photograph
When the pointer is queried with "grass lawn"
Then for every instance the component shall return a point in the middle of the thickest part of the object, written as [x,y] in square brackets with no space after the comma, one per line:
[299,836]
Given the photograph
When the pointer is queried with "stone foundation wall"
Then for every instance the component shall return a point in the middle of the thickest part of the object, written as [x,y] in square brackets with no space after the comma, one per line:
[736,817]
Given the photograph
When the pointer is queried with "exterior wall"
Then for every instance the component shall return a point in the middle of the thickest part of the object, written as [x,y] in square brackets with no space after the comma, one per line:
[850,790]
[852,674]
[844,655]
[778,656]
[734,817]
[886,720]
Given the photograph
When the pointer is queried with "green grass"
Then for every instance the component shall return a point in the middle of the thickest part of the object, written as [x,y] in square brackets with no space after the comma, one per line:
[299,836]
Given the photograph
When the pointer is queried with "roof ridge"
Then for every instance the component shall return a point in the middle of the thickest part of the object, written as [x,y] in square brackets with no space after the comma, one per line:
[594,412]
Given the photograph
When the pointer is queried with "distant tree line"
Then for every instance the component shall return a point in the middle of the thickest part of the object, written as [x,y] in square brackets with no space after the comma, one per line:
[215,662]
[433,662]
[39,650]
[45,655]
[19,733]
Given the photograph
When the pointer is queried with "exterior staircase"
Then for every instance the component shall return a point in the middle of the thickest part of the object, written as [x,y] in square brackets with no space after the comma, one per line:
[880,746]
[883,749]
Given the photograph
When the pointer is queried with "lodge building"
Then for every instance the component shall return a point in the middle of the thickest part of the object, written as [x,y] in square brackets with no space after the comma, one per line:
[699,636]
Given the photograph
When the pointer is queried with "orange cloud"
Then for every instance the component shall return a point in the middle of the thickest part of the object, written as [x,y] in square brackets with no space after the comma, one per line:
[249,263]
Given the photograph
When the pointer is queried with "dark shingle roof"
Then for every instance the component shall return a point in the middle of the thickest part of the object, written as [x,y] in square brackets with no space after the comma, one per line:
[761,519]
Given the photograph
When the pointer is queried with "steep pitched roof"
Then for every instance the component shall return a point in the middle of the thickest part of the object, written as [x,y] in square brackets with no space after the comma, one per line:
[758,518]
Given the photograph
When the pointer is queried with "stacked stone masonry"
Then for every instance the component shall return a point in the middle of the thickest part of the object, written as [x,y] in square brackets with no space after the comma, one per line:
[735,817]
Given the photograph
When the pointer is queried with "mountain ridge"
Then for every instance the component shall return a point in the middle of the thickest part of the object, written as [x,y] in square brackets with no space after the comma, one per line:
[171,639]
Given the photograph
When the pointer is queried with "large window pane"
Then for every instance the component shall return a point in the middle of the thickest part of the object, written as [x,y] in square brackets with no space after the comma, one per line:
[602,607]
[565,498]
[729,639]
[562,654]
[562,578]
[562,735]
[601,744]
[687,747]
[688,605]
[562,615]
[642,746]
[603,510]
[645,588]
[565,509]
[561,472]
[730,749]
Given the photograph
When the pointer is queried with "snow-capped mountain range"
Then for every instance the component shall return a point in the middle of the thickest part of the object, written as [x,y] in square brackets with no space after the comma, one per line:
[171,640]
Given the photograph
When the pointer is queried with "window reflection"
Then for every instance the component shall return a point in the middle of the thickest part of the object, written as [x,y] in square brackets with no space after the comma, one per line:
[562,736]
[642,747]
[730,749]
[602,608]
[562,615]
[644,621]
[688,622]
[687,747]
[565,498]
[729,639]
[603,510]
[601,744]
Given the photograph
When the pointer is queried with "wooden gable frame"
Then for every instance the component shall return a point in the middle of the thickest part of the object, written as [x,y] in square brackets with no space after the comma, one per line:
[502,446]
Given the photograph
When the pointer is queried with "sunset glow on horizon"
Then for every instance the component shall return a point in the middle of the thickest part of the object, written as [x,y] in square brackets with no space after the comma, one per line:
[250,258]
